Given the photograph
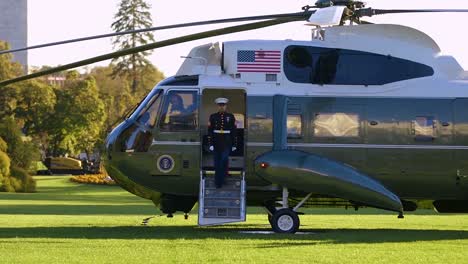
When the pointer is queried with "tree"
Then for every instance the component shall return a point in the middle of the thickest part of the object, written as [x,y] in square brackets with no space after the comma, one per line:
[21,151]
[20,154]
[132,15]
[115,92]
[4,161]
[78,119]
[8,70]
[35,105]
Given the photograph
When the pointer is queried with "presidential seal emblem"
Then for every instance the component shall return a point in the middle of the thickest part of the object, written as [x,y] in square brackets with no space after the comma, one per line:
[165,163]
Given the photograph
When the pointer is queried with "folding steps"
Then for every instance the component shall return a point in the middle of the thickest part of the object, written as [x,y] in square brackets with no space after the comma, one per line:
[218,206]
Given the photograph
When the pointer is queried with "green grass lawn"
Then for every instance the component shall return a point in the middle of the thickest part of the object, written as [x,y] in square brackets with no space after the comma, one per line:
[72,223]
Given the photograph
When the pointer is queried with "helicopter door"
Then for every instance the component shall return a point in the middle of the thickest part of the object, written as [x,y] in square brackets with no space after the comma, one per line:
[237,107]
[176,140]
[226,204]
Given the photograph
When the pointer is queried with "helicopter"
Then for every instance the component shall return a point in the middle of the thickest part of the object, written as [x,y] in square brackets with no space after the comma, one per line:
[369,114]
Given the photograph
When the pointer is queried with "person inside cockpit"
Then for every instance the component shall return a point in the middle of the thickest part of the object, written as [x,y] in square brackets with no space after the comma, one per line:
[175,110]
[176,105]
[180,112]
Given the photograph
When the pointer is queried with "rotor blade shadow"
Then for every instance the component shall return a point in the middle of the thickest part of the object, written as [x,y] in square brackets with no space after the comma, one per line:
[79,209]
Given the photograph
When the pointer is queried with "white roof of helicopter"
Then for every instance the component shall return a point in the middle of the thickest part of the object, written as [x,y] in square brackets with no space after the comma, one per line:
[395,40]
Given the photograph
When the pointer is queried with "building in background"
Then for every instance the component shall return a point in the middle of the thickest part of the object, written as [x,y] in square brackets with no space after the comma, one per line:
[14,27]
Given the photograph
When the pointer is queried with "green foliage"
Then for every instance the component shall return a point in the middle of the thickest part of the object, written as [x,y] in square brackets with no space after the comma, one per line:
[150,77]
[9,184]
[4,166]
[78,119]
[22,152]
[114,92]
[36,102]
[3,145]
[21,181]
[132,15]
[8,68]
[116,95]
[8,100]
[5,163]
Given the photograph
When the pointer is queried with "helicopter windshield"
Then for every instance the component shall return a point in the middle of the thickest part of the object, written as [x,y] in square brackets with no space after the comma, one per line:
[137,137]
[145,104]
[149,112]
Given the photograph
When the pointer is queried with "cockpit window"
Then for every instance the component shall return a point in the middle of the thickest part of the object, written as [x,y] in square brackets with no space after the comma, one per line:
[149,113]
[138,136]
[180,111]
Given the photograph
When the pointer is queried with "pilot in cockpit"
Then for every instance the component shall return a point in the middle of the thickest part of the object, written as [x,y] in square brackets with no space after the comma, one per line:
[177,116]
[176,106]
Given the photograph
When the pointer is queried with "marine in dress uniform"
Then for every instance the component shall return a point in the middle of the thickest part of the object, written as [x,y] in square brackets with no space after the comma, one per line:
[222,139]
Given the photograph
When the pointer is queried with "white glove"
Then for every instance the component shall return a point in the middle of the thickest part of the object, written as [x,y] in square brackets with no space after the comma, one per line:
[233,148]
[211,148]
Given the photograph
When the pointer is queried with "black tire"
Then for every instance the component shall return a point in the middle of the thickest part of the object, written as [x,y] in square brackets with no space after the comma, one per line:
[285,221]
[270,218]
[271,209]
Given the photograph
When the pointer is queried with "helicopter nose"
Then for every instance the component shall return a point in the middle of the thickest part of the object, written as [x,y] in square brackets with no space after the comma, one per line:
[112,139]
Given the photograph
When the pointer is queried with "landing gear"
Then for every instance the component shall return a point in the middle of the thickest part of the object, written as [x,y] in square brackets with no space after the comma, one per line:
[285,219]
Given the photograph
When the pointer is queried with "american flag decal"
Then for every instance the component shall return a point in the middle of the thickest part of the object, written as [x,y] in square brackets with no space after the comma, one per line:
[266,61]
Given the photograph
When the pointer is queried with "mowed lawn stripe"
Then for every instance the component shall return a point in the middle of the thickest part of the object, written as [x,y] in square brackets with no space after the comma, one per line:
[67,222]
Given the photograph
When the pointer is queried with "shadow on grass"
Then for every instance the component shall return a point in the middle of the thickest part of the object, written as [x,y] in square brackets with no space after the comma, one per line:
[339,236]
[101,198]
[60,209]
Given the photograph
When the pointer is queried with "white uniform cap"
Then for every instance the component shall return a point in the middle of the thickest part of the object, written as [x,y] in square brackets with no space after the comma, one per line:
[221,100]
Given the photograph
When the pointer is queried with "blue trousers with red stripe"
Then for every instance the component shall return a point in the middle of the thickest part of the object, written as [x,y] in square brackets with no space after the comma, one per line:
[221,164]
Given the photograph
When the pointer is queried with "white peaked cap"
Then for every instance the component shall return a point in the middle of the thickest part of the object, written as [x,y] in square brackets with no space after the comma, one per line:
[221,100]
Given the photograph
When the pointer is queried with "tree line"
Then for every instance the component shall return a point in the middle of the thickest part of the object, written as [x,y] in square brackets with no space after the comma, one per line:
[41,118]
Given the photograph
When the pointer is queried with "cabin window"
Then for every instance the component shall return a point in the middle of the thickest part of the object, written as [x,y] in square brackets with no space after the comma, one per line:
[423,128]
[305,64]
[260,120]
[336,125]
[294,126]
[180,111]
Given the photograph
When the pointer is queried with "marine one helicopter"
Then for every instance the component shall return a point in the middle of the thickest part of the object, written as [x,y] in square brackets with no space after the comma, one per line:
[371,114]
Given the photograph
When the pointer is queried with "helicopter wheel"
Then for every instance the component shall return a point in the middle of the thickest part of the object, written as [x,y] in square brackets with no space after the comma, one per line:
[285,221]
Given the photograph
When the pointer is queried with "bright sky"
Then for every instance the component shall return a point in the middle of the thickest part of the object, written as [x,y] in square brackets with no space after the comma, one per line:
[54,20]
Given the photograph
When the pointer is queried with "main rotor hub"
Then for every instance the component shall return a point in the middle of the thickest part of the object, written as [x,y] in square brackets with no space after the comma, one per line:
[348,3]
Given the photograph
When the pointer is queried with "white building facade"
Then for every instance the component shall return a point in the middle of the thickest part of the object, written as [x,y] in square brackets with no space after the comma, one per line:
[14,27]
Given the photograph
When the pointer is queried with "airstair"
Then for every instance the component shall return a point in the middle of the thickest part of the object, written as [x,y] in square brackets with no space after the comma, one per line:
[223,205]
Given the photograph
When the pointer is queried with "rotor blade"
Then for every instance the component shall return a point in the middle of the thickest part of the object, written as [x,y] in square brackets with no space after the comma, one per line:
[164,43]
[305,15]
[372,12]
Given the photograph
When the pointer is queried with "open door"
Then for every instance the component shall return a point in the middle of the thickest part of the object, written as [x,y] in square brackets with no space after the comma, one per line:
[226,204]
